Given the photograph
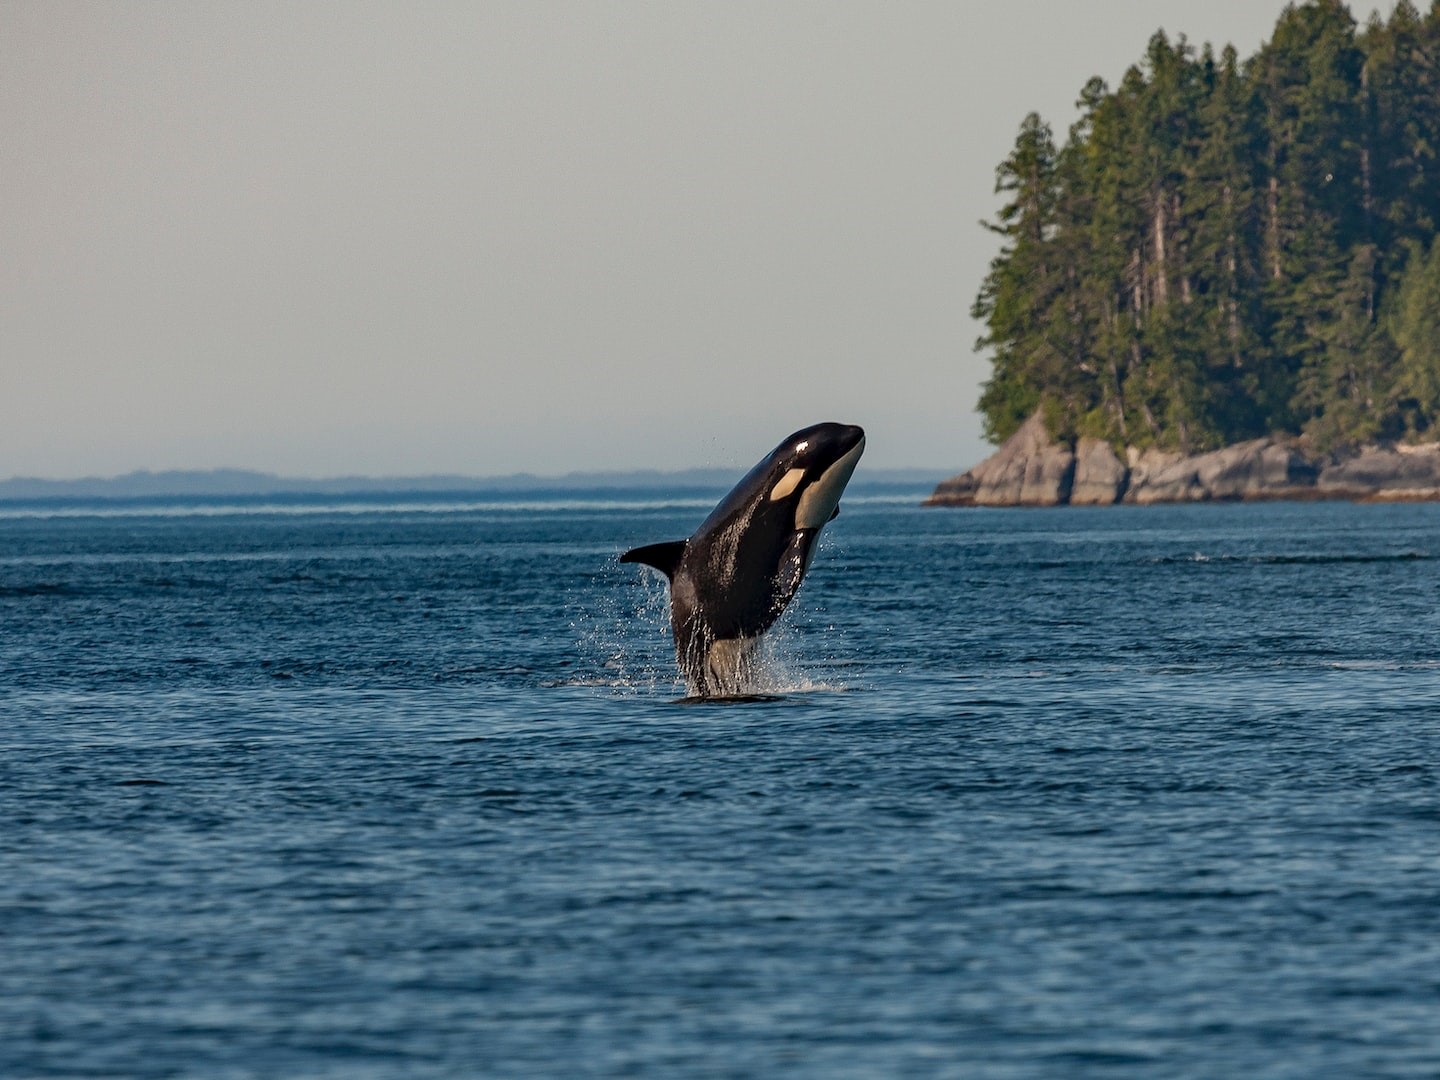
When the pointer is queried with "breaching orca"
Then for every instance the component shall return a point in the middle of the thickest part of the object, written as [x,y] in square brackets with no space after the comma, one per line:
[731,580]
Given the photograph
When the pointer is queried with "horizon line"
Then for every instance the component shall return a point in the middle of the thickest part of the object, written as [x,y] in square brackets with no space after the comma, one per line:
[244,471]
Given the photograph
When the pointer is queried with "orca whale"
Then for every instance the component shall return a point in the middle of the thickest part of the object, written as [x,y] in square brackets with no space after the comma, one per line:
[733,577]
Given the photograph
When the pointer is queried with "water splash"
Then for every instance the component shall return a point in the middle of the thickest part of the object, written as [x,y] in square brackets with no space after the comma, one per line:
[626,646]
[799,642]
[625,640]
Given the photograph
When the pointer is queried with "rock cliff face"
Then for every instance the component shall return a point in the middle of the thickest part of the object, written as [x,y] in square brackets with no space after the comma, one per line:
[1260,469]
[1385,473]
[1031,469]
[1100,478]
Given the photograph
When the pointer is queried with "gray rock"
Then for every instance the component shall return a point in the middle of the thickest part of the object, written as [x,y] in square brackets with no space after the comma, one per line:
[1031,469]
[1258,469]
[1158,476]
[1100,477]
[1028,469]
[957,491]
[1047,479]
[1392,473]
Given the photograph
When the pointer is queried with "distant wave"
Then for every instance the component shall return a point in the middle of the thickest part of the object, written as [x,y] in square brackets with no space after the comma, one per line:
[1296,560]
[225,508]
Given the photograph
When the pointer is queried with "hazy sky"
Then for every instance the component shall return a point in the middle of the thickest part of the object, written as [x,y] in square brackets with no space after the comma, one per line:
[397,238]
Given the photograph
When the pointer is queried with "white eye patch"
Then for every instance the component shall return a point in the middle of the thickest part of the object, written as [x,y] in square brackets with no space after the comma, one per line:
[787,483]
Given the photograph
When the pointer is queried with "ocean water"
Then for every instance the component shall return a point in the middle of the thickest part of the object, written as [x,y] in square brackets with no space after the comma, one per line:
[383,790]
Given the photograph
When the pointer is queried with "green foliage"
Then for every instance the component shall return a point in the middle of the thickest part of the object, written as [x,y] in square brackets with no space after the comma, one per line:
[1415,327]
[1022,281]
[1212,254]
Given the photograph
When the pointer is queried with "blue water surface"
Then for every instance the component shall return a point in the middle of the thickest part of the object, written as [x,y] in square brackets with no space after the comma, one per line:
[408,791]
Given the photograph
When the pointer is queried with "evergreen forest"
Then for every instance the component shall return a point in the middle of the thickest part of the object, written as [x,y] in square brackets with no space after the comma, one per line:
[1224,249]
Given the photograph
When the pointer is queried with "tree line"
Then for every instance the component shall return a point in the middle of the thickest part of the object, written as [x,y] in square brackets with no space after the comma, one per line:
[1224,249]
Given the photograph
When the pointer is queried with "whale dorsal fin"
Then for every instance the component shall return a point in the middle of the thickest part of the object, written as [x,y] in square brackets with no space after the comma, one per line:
[663,557]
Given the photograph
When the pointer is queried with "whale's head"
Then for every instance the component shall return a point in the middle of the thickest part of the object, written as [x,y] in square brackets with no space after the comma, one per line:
[808,471]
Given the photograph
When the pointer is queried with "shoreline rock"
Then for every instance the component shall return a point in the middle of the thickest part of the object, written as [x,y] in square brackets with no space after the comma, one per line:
[1100,477]
[1032,469]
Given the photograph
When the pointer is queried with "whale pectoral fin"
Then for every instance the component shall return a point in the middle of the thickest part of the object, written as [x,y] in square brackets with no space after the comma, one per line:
[793,565]
[663,557]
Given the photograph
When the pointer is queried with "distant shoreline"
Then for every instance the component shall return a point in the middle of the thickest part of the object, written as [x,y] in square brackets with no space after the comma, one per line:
[247,485]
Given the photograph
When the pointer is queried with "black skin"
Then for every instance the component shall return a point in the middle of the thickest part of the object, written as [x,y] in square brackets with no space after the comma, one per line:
[735,575]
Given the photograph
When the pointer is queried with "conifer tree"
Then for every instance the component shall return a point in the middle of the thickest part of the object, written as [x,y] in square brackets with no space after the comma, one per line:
[1415,326]
[1017,295]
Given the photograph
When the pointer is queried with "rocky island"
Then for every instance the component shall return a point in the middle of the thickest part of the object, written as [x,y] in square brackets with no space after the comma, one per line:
[1224,284]
[1033,469]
